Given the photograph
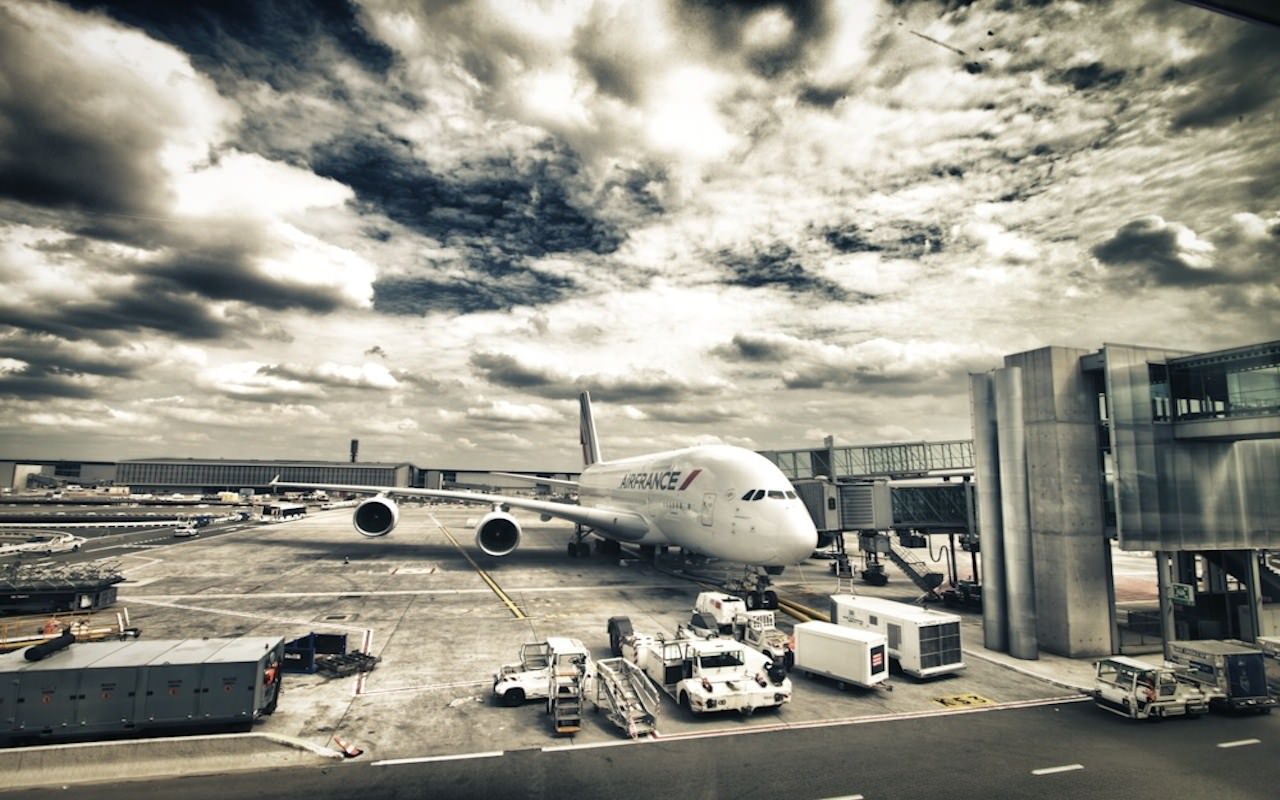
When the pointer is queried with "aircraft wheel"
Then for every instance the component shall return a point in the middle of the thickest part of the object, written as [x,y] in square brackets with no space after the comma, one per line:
[753,600]
[771,599]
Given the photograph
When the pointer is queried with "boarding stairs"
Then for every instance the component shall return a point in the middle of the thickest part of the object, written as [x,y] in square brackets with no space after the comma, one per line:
[628,696]
[564,701]
[918,571]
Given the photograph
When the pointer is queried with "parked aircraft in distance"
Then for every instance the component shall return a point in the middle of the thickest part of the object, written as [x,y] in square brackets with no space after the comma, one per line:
[717,500]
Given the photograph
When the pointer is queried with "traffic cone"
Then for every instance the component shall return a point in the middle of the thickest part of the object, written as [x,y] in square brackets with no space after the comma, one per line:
[348,750]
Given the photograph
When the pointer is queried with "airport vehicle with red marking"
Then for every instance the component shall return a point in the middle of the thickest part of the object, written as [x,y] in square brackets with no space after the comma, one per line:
[703,674]
[1138,690]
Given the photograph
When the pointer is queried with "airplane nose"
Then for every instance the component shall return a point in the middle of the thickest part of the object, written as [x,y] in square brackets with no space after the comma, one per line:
[801,538]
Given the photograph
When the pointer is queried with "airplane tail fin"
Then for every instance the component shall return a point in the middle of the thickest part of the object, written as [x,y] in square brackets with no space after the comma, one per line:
[590,445]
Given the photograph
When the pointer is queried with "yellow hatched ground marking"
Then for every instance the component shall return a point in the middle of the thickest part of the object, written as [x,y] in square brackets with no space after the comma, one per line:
[963,700]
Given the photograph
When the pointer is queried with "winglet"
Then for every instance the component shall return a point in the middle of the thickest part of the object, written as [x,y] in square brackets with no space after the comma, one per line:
[590,446]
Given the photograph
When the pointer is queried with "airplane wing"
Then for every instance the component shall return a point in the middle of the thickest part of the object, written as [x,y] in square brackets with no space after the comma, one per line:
[626,526]
[534,479]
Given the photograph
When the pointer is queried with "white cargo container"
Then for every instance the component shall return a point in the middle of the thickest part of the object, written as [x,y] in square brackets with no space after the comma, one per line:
[847,655]
[924,642]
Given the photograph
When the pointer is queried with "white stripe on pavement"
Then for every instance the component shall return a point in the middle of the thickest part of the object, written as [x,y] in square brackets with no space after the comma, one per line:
[1052,770]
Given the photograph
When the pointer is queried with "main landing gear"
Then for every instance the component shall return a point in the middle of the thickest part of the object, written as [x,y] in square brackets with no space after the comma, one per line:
[754,589]
[579,547]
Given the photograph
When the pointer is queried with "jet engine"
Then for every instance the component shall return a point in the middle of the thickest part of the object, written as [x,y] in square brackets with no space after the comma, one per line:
[498,533]
[376,516]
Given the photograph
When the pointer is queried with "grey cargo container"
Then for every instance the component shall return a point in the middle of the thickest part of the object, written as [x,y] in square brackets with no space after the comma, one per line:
[1234,675]
[103,689]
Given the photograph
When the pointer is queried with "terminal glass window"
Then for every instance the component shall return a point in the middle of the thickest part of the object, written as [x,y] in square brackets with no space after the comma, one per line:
[1229,384]
[1158,378]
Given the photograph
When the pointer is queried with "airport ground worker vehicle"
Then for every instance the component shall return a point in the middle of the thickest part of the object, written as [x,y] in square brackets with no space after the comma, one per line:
[721,607]
[756,628]
[1234,676]
[923,641]
[1139,690]
[702,674]
[846,655]
[530,677]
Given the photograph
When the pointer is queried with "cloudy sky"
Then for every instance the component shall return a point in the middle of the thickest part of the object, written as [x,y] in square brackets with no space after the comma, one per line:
[262,229]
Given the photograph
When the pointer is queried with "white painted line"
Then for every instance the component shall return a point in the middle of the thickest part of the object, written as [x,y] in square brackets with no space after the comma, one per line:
[1053,770]
[1240,743]
[845,797]
[593,746]
[391,762]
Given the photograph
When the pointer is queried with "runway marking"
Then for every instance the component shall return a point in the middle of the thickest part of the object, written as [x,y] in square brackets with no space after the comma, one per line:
[1055,770]
[484,576]
[392,762]
[845,797]
[1239,743]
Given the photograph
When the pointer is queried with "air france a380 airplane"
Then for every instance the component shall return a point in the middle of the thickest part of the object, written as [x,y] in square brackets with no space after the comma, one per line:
[716,500]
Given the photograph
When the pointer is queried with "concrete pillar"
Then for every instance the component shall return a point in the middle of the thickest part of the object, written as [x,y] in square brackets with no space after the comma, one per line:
[1015,515]
[986,460]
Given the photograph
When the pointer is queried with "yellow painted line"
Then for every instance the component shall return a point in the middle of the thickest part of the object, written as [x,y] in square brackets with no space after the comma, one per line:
[802,612]
[484,576]
[963,700]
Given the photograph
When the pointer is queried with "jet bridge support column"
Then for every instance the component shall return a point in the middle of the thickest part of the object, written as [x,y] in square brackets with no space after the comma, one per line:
[1015,514]
[987,479]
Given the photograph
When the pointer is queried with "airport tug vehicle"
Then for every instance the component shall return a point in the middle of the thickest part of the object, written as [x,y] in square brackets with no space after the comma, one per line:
[702,674]
[1138,690]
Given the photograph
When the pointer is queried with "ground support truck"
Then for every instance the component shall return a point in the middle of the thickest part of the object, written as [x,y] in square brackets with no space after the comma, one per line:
[756,628]
[846,655]
[924,642]
[1234,676]
[701,674]
[1139,690]
[530,678]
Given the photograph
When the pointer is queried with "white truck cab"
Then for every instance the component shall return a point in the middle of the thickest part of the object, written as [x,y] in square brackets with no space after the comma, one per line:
[530,678]
[1139,690]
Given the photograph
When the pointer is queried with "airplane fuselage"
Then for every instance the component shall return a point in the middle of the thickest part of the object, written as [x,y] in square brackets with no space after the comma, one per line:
[717,500]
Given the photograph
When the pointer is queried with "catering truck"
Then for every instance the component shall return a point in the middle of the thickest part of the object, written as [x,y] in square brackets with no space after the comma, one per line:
[846,655]
[702,674]
[924,642]
[1234,676]
[1139,690]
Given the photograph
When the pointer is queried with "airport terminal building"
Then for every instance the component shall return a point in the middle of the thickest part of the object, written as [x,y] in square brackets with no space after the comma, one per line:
[1167,451]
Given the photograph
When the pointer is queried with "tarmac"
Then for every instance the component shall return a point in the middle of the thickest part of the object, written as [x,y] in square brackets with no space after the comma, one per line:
[441,618]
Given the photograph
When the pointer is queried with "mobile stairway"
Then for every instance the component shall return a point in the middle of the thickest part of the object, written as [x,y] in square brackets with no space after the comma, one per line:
[628,696]
[564,701]
[914,568]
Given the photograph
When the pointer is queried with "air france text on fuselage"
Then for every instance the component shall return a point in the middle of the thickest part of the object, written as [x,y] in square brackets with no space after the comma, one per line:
[668,480]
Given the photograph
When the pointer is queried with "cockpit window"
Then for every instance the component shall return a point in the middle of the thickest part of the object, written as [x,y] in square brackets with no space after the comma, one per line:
[772,494]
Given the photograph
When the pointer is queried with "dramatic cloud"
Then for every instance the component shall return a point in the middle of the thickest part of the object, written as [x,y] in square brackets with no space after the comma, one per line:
[429,225]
